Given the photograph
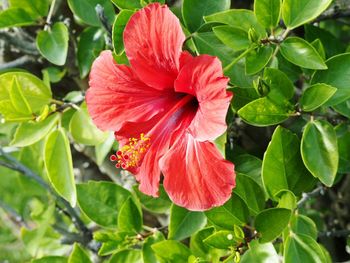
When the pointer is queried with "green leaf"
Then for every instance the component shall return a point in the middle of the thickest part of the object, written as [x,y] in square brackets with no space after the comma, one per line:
[242,97]
[127,255]
[257,59]
[59,165]
[26,89]
[197,245]
[118,29]
[282,167]
[233,212]
[50,259]
[84,130]
[249,165]
[319,151]
[193,11]
[102,201]
[222,239]
[148,255]
[280,87]
[303,248]
[338,76]
[53,44]
[78,255]
[298,12]
[317,44]
[36,8]
[113,241]
[129,217]
[85,10]
[271,222]
[251,192]
[183,223]
[55,74]
[286,199]
[264,112]
[171,251]
[301,53]
[102,149]
[238,18]
[233,37]
[343,108]
[301,224]
[315,96]
[16,17]
[267,12]
[160,204]
[343,133]
[28,133]
[127,4]
[90,44]
[208,43]
[260,253]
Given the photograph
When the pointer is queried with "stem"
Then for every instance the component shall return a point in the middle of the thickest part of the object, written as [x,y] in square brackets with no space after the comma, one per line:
[19,43]
[21,61]
[15,165]
[308,196]
[335,233]
[237,59]
[49,16]
[102,16]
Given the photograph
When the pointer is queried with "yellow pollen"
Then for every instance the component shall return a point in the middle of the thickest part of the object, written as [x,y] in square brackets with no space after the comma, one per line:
[131,154]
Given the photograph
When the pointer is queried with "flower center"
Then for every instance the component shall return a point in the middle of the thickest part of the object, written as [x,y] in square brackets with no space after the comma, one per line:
[131,154]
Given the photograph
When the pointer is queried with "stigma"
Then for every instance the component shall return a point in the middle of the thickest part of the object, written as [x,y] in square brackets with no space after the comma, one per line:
[132,153]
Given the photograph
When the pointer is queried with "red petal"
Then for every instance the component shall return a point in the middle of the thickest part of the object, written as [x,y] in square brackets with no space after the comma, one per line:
[203,78]
[153,41]
[116,95]
[195,174]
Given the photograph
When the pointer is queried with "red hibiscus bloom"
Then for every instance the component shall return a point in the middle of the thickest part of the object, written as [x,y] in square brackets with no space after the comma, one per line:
[165,109]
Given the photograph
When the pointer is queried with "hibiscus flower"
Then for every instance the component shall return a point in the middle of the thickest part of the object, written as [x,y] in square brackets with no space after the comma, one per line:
[166,109]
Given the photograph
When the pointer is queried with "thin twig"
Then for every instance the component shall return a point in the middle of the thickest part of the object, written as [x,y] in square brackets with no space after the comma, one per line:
[307,196]
[49,16]
[20,44]
[104,21]
[19,62]
[334,13]
[13,213]
[335,233]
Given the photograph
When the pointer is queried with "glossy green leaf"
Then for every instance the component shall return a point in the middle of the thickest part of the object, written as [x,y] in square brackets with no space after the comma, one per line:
[127,255]
[148,255]
[193,11]
[197,245]
[303,248]
[260,253]
[171,251]
[90,44]
[338,76]
[343,138]
[233,37]
[19,102]
[249,165]
[286,199]
[84,130]
[222,239]
[127,4]
[301,224]
[282,166]
[264,112]
[35,8]
[301,53]
[102,149]
[183,223]
[250,192]
[102,201]
[268,12]
[129,217]
[315,96]
[317,44]
[85,10]
[208,43]
[280,87]
[257,59]
[319,151]
[59,165]
[159,204]
[50,259]
[78,255]
[242,97]
[271,222]
[238,18]
[28,133]
[53,44]
[28,88]
[16,17]
[118,30]
[238,77]
[343,108]
[233,212]
[298,12]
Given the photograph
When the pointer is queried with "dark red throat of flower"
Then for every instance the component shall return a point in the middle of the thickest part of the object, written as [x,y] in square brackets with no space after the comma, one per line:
[132,153]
